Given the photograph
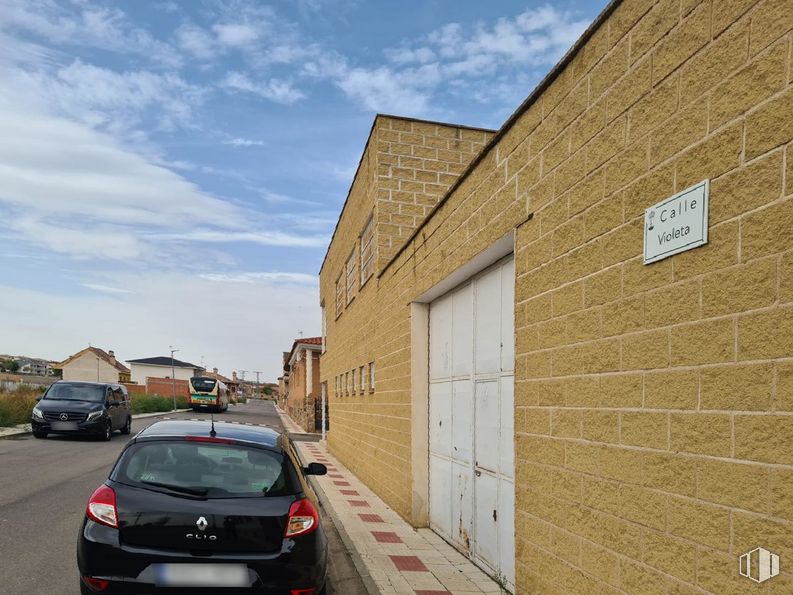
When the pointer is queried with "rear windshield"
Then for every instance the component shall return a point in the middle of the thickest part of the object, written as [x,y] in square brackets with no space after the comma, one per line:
[209,470]
[76,392]
[203,384]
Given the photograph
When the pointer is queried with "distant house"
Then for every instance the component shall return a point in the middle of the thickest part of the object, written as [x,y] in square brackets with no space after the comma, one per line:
[160,367]
[232,383]
[34,366]
[301,377]
[94,365]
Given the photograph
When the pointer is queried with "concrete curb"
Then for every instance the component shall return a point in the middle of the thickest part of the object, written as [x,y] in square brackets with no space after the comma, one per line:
[368,581]
[24,429]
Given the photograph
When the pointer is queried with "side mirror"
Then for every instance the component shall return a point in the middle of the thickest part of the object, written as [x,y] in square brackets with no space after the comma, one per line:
[112,403]
[315,469]
[39,398]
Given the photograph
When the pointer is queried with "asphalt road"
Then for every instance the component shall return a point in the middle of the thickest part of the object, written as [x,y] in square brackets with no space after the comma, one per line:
[44,485]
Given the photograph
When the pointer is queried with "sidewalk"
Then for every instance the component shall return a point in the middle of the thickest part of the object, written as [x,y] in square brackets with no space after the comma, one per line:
[22,429]
[395,557]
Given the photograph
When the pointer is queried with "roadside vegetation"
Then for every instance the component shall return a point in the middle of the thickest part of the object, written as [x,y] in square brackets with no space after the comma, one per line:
[16,405]
[142,403]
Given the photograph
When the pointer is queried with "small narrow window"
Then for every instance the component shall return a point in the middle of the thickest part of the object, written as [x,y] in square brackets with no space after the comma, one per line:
[354,374]
[363,379]
[351,277]
[339,295]
[367,250]
[371,377]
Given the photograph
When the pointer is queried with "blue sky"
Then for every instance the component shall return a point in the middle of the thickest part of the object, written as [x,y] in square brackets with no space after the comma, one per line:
[171,171]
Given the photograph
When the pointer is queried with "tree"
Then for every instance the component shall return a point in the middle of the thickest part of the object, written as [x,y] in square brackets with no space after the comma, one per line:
[9,365]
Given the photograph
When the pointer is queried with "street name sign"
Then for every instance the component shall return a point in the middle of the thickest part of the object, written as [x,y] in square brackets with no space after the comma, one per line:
[677,224]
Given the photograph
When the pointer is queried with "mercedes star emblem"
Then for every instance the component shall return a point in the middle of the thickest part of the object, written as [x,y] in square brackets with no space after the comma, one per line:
[64,416]
[201,523]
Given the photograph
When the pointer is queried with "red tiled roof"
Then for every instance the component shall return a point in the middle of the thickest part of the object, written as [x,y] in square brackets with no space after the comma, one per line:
[101,354]
[310,340]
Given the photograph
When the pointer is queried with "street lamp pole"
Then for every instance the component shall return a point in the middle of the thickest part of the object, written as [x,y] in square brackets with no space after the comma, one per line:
[173,376]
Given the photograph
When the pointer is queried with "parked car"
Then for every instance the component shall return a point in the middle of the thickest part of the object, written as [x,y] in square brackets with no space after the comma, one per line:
[88,408]
[196,505]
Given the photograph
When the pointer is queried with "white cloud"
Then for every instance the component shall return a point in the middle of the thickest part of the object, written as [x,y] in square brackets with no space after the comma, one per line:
[236,35]
[100,27]
[421,55]
[196,41]
[383,89]
[243,142]
[100,96]
[273,89]
[455,55]
[105,288]
[259,277]
[264,238]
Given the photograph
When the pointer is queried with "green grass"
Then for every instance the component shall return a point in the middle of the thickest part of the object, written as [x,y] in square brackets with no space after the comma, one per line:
[156,403]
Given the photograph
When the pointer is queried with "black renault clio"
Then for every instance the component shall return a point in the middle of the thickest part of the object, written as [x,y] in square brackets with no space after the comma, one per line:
[192,507]
[88,408]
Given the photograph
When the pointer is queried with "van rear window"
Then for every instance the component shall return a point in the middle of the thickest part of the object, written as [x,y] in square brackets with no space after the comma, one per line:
[210,470]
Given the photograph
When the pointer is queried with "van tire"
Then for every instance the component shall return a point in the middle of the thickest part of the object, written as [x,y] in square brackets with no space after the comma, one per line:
[40,435]
[127,426]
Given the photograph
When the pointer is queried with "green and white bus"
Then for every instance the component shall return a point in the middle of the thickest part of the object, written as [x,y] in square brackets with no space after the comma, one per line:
[208,394]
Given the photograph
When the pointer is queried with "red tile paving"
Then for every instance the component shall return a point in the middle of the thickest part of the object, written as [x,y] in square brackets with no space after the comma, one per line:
[358,503]
[335,476]
[386,537]
[349,492]
[341,483]
[425,592]
[408,563]
[371,518]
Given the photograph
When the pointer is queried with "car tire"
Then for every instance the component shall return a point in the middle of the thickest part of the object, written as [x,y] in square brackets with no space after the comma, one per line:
[40,435]
[127,429]
[108,433]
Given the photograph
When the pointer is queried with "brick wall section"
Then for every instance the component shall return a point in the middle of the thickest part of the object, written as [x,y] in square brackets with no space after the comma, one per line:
[654,404]
[417,163]
[135,389]
[164,387]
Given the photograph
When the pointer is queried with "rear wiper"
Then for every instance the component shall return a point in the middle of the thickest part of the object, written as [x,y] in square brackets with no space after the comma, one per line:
[185,490]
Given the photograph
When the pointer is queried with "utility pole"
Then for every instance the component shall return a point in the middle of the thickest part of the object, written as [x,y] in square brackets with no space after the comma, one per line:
[257,372]
[173,376]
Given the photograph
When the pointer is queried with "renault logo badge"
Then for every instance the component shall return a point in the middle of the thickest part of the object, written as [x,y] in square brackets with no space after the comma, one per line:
[201,523]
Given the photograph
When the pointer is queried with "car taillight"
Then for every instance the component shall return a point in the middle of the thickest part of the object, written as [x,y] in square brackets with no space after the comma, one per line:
[303,518]
[102,506]
[96,584]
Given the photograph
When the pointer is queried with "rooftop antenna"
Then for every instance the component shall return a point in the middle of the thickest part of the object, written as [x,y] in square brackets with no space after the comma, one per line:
[212,432]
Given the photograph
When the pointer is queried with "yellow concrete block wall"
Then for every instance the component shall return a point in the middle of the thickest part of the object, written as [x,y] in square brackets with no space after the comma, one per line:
[654,403]
[406,167]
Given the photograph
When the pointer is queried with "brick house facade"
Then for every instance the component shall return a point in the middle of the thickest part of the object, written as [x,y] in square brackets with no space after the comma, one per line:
[303,389]
[650,413]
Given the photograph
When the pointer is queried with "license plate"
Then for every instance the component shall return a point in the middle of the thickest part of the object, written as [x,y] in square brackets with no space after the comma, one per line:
[64,426]
[201,575]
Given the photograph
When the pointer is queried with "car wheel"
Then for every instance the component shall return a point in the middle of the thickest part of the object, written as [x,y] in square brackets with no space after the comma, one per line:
[40,434]
[127,426]
[108,433]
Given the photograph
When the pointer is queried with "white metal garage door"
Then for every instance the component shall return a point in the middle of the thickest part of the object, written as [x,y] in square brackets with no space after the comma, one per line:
[471,480]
